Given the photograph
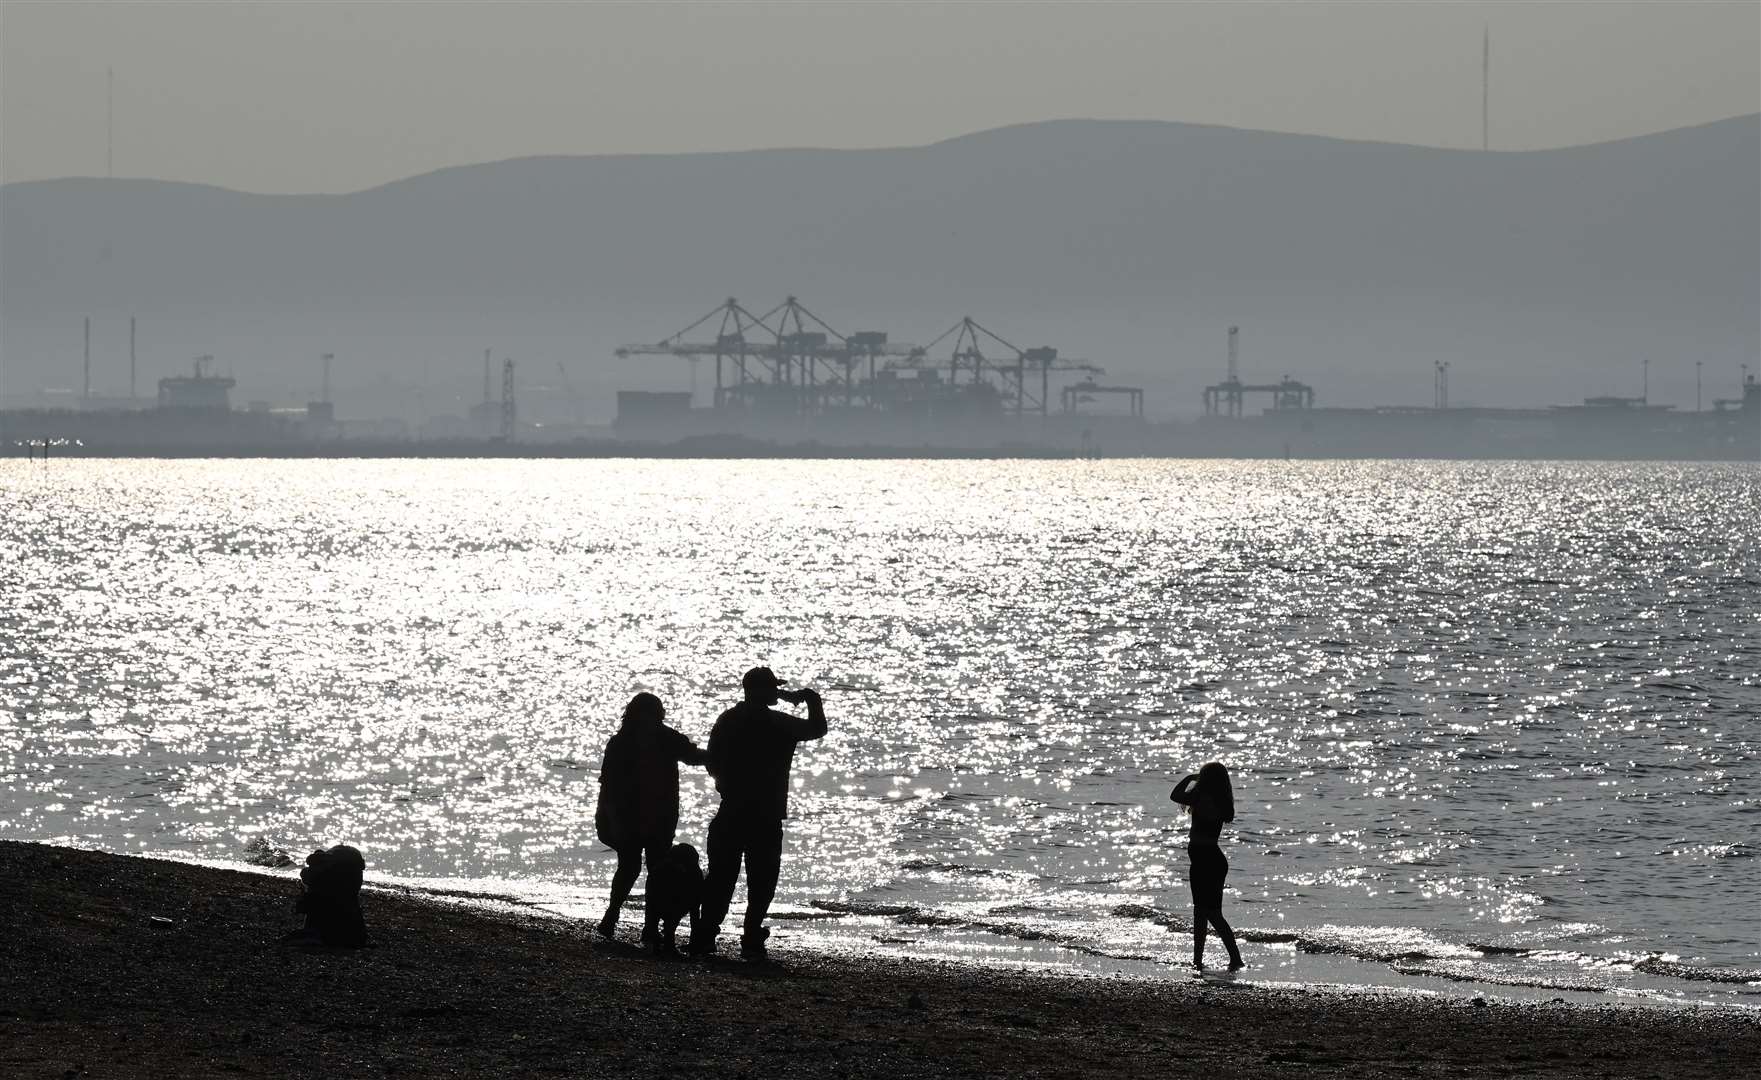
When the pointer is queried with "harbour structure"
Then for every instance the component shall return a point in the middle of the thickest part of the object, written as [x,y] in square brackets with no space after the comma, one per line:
[790,362]
[485,416]
[1748,404]
[1021,378]
[787,360]
[201,390]
[321,414]
[89,397]
[1229,397]
[1076,394]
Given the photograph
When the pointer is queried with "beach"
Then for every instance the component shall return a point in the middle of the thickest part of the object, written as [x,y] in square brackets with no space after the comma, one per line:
[119,966]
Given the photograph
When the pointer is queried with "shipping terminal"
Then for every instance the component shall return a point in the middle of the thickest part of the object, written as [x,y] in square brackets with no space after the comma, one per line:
[787,383]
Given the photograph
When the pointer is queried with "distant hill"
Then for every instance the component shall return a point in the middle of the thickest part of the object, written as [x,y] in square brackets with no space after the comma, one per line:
[1538,275]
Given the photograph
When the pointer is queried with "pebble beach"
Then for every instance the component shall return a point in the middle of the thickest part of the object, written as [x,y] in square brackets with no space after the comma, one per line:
[120,966]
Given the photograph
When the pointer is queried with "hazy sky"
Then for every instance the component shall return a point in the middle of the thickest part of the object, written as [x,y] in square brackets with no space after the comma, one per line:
[339,96]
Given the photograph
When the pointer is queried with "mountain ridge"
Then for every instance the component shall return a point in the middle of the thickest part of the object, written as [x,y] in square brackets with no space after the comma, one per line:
[1545,275]
[1026,125]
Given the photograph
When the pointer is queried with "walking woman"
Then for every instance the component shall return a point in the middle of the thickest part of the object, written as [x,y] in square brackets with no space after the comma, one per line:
[639,801]
[1211,802]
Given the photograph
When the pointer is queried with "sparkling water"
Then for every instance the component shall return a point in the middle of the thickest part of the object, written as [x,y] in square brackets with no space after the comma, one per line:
[1493,725]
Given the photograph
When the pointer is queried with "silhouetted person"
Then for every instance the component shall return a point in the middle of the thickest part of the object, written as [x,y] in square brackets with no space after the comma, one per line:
[1211,801]
[751,749]
[675,892]
[638,807]
[330,898]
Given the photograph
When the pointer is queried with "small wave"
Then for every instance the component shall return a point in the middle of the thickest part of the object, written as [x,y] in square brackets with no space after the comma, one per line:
[1660,684]
[1182,924]
[907,915]
[1335,946]
[889,911]
[1468,971]
[1317,942]
[1500,950]
[1439,959]
[1074,942]
[931,866]
[1657,965]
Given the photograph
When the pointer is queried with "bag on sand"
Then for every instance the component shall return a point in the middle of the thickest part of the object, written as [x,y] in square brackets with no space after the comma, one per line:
[330,898]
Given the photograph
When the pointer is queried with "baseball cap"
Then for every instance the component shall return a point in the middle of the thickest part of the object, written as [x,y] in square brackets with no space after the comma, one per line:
[761,678]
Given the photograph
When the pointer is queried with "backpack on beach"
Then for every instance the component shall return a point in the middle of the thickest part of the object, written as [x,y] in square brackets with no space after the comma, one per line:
[330,899]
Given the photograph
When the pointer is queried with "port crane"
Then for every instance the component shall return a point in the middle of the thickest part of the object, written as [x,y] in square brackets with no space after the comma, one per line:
[787,356]
[788,359]
[1014,367]
[1228,396]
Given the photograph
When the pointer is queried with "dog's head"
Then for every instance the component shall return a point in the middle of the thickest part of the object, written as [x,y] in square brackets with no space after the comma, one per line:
[685,855]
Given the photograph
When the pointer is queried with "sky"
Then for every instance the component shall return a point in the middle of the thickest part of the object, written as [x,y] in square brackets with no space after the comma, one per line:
[332,97]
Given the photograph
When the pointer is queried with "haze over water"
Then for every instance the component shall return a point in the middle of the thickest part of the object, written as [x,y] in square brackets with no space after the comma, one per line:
[1486,721]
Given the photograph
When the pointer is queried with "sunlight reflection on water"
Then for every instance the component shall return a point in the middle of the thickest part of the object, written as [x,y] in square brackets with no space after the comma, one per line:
[1508,703]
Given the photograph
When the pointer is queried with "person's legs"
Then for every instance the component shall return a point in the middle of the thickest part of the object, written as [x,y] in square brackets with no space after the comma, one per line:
[1221,867]
[764,864]
[1228,936]
[725,849]
[656,854]
[1206,873]
[1197,879]
[629,866]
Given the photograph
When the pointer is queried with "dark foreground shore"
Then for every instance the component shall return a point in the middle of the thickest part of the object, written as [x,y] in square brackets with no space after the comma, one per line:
[120,967]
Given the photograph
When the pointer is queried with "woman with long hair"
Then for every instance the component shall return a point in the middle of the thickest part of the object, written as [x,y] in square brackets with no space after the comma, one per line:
[1210,799]
[638,809]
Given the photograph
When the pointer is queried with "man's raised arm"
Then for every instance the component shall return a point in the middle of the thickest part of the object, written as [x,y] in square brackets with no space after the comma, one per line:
[811,726]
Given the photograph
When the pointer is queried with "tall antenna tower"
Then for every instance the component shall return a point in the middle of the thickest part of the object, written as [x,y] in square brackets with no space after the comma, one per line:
[507,400]
[88,389]
[1486,89]
[324,387]
[131,360]
[1234,368]
[110,123]
[486,378]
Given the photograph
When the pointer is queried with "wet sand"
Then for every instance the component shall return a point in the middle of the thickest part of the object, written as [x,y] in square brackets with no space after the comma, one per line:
[121,967]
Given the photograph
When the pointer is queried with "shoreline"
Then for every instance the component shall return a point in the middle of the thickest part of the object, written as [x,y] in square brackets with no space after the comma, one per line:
[592,451]
[119,965]
[904,932]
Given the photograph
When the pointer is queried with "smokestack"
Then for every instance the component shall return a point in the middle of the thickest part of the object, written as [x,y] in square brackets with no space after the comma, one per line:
[131,359]
[88,387]
[486,376]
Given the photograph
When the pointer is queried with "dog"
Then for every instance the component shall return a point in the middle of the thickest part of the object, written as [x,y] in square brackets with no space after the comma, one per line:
[675,892]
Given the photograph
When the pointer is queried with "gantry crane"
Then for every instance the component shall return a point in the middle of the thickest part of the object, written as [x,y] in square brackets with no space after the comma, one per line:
[1014,370]
[788,357]
[1227,397]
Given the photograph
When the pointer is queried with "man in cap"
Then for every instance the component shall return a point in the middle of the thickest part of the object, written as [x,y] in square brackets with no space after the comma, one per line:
[751,749]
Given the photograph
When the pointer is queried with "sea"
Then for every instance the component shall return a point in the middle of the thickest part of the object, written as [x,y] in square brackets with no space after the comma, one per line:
[1494,728]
